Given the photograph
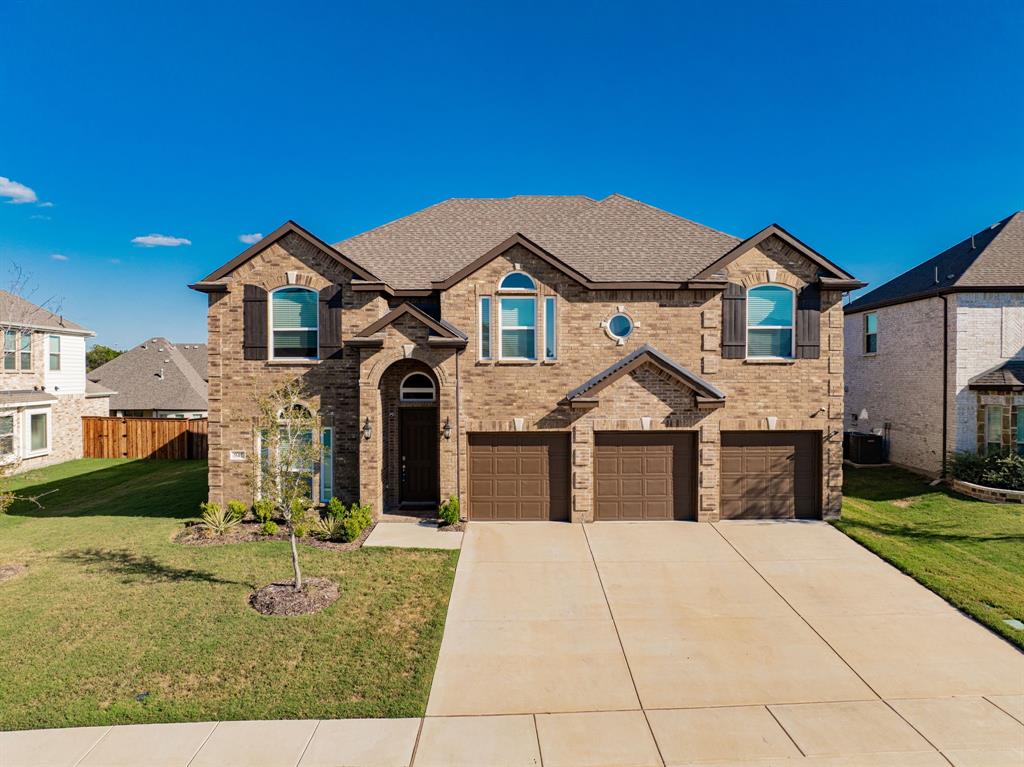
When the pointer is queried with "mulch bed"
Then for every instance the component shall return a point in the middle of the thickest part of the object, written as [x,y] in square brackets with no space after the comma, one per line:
[283,599]
[11,570]
[246,532]
[458,527]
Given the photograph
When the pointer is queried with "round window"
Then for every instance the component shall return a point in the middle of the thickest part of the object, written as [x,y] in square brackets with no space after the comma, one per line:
[620,326]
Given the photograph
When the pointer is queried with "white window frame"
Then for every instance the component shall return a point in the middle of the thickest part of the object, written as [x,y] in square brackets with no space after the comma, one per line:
[553,303]
[514,293]
[13,352]
[402,388]
[620,340]
[27,451]
[318,482]
[791,327]
[13,455]
[23,336]
[49,353]
[480,328]
[270,325]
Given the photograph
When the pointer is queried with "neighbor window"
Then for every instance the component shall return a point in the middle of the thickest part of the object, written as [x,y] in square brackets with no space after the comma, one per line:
[54,352]
[549,328]
[485,327]
[26,351]
[770,321]
[39,432]
[6,436]
[993,428]
[870,333]
[1019,431]
[416,387]
[10,351]
[294,323]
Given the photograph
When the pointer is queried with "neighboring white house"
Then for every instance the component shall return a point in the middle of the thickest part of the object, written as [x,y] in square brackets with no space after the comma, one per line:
[936,356]
[156,379]
[43,389]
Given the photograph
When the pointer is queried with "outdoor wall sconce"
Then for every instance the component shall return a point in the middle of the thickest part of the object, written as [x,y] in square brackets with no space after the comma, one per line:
[446,430]
[367,429]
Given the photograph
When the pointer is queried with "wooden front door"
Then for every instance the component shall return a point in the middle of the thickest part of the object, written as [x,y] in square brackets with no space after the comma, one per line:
[418,454]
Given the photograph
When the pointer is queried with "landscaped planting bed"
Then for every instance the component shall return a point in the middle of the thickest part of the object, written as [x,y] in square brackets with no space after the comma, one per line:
[112,621]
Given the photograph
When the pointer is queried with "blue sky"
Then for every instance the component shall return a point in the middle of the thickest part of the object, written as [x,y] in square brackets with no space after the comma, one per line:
[877,133]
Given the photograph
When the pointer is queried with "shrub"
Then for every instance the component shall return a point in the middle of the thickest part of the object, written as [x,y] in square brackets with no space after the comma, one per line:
[263,509]
[357,518]
[449,511]
[998,469]
[967,466]
[237,510]
[269,527]
[335,508]
[330,527]
[216,520]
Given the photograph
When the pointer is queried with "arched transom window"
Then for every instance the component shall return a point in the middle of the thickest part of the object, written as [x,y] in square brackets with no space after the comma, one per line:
[293,323]
[770,320]
[417,387]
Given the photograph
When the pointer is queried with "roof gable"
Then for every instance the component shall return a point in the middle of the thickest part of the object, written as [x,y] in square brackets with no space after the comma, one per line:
[773,230]
[440,329]
[17,312]
[990,259]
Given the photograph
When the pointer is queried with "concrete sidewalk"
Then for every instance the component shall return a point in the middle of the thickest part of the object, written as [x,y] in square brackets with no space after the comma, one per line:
[636,644]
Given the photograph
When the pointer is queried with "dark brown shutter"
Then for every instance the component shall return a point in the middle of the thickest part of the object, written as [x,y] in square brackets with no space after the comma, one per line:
[734,322]
[255,319]
[808,323]
[330,322]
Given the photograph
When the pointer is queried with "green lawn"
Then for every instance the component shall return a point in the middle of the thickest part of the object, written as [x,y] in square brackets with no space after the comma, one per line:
[969,552]
[114,623]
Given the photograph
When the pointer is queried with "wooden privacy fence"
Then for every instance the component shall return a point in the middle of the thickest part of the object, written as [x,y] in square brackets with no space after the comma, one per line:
[171,438]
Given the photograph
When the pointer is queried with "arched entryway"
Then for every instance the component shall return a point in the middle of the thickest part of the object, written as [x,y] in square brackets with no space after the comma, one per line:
[411,468]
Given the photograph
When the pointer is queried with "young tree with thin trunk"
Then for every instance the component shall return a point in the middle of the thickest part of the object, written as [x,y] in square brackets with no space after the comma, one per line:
[289,433]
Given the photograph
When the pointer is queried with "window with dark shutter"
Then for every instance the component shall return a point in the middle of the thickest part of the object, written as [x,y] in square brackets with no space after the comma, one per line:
[808,323]
[734,322]
[330,322]
[255,321]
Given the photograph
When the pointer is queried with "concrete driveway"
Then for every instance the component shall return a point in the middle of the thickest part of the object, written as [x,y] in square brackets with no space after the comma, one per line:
[674,643]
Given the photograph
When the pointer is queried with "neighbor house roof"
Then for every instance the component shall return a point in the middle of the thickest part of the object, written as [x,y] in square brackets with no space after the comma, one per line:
[706,391]
[989,260]
[1007,376]
[15,311]
[156,375]
[25,397]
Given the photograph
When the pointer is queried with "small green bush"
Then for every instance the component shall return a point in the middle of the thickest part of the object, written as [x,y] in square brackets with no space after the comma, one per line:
[268,528]
[357,518]
[216,520]
[335,508]
[330,527]
[449,511]
[967,466]
[237,510]
[1002,469]
[263,509]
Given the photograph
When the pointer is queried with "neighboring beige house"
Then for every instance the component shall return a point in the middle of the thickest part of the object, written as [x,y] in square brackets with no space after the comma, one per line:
[156,379]
[542,358]
[936,356]
[43,390]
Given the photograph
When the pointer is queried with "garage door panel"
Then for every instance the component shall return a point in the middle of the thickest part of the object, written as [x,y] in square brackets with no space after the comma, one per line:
[519,476]
[767,475]
[645,475]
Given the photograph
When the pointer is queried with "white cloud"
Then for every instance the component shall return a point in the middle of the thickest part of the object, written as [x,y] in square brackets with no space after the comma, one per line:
[46,204]
[39,217]
[18,193]
[59,257]
[249,239]
[115,260]
[160,241]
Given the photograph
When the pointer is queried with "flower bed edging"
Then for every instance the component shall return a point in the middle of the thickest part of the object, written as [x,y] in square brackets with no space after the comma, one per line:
[985,493]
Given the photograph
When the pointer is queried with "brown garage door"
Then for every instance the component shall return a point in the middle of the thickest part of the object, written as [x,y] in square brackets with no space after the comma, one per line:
[519,476]
[644,475]
[771,475]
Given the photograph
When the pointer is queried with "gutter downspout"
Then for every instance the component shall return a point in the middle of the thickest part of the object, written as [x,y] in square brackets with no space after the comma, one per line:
[945,378]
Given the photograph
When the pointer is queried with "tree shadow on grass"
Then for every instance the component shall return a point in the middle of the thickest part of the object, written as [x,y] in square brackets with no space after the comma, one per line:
[134,567]
[914,533]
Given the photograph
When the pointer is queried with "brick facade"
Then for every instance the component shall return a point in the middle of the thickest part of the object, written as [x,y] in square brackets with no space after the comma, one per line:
[478,395]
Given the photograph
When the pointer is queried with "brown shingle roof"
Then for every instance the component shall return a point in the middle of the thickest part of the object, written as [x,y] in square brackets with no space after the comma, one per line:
[155,375]
[991,258]
[1009,375]
[616,239]
[15,311]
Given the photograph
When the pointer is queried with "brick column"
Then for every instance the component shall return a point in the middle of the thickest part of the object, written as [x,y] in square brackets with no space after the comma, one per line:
[708,447]
[582,487]
[371,451]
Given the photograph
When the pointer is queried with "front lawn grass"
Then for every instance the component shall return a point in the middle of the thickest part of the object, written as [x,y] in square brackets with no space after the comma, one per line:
[114,623]
[969,552]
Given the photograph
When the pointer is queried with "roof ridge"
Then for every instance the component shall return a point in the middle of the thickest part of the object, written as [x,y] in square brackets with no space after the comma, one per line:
[192,376]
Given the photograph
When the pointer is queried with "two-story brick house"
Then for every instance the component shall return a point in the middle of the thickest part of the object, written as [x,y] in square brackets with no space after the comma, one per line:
[43,390]
[542,358]
[935,356]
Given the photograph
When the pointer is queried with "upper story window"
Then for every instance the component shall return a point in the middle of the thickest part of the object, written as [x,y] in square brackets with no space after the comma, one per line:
[550,350]
[26,351]
[10,350]
[485,327]
[620,327]
[770,319]
[870,333]
[517,317]
[54,352]
[417,387]
[293,323]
